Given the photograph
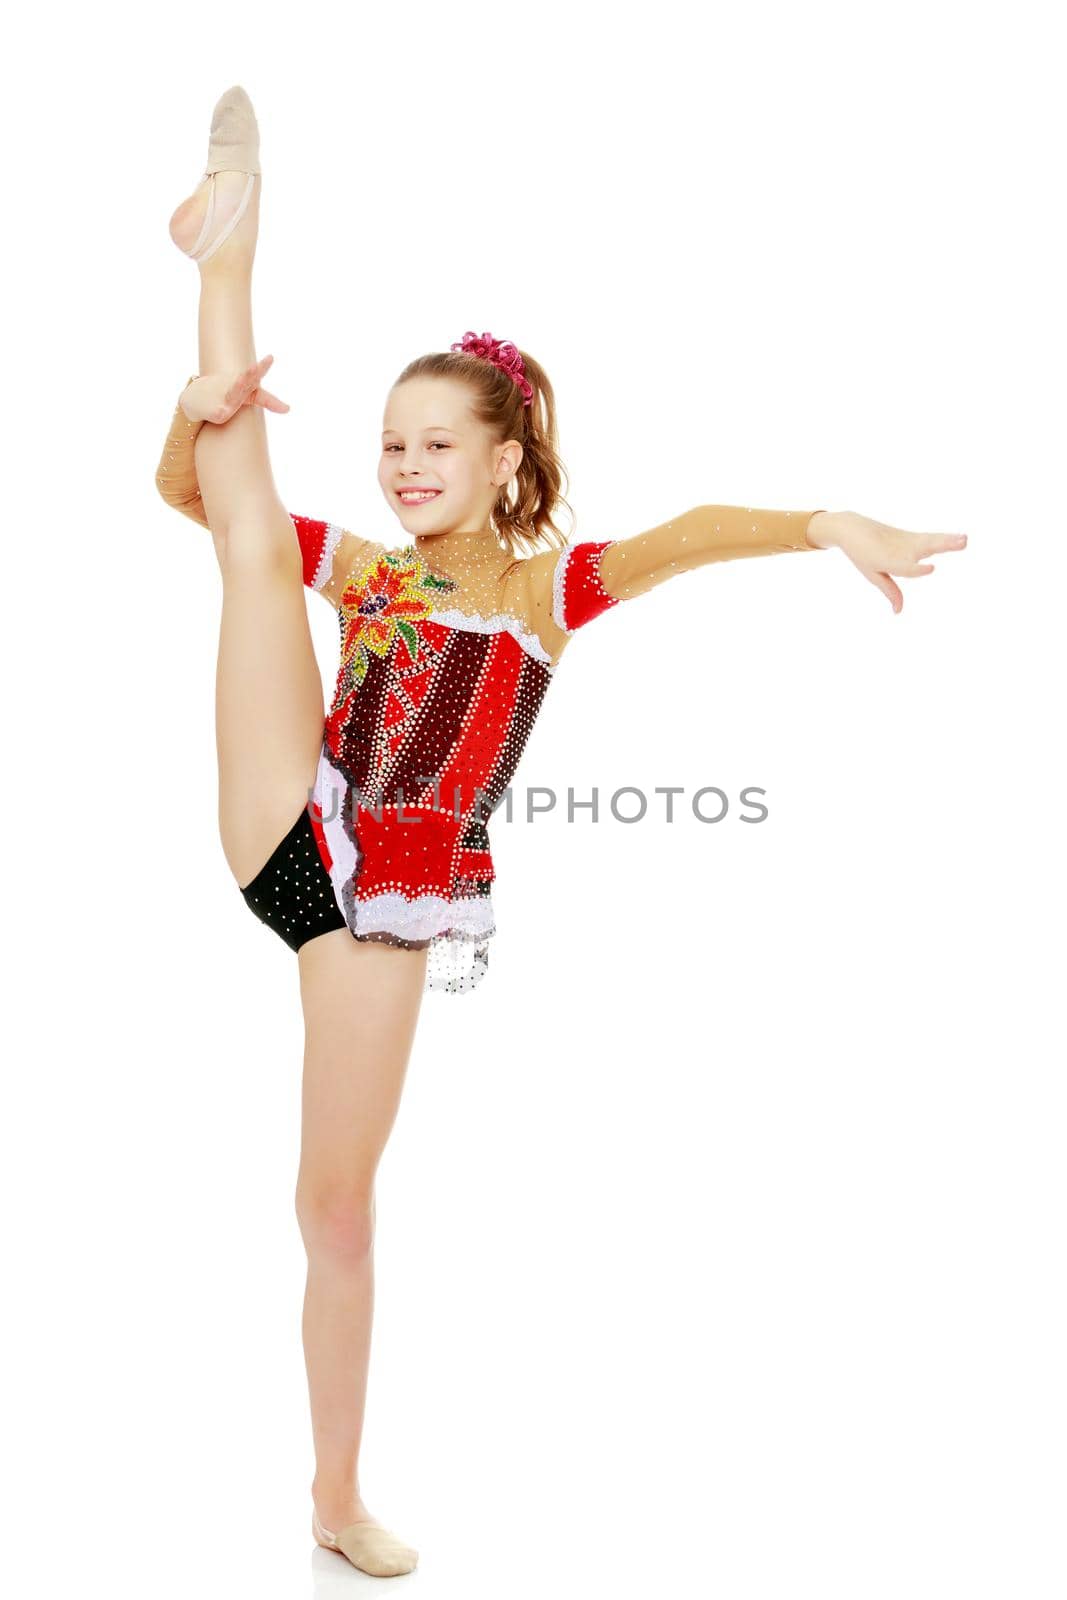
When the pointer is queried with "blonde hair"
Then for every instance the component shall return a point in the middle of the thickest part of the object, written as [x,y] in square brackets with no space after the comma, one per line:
[522,513]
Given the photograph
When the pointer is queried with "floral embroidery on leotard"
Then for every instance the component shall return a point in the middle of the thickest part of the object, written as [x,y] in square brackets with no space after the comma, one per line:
[389,595]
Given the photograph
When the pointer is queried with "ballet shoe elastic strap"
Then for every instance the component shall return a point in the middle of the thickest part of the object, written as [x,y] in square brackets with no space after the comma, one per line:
[242,207]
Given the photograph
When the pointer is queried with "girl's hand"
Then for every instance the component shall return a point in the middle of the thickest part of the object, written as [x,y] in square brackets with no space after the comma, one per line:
[215,397]
[877,549]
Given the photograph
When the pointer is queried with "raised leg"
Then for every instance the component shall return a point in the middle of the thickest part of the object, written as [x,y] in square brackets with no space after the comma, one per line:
[269,710]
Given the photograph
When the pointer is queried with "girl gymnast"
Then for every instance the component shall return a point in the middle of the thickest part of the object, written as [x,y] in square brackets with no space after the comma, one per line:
[360,836]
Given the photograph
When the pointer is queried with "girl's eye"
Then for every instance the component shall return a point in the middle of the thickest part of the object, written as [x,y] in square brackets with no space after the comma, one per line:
[440,443]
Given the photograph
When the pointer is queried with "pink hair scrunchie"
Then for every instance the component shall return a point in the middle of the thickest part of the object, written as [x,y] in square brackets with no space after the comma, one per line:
[502,353]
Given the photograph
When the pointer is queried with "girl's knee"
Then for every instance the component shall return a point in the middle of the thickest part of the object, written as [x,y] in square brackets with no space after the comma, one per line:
[263,547]
[336,1223]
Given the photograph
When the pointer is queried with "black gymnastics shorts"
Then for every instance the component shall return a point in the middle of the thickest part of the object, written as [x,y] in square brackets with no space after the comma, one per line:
[292,892]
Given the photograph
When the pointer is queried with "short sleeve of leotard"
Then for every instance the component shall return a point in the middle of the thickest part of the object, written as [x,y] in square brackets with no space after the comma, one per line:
[332,556]
[578,592]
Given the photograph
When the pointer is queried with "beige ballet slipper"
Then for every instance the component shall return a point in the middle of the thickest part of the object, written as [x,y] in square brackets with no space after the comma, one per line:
[234,142]
[233,146]
[368,1546]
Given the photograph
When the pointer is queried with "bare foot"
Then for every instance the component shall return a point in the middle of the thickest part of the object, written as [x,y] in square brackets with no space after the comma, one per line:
[188,219]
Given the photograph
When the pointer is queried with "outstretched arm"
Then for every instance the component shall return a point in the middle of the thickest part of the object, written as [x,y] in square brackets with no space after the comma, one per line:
[576,584]
[586,579]
[330,553]
[630,567]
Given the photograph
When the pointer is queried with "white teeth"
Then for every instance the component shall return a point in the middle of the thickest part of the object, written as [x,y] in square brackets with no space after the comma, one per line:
[416,499]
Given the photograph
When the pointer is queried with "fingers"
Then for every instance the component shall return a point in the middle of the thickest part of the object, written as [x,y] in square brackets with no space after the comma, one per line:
[909,569]
[883,581]
[914,564]
[933,544]
[246,381]
[242,390]
[268,401]
[907,553]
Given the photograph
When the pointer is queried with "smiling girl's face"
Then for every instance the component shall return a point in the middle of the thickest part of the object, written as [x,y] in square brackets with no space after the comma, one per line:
[431,441]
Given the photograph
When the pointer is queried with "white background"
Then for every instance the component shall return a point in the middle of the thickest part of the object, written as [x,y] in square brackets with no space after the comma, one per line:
[720,1243]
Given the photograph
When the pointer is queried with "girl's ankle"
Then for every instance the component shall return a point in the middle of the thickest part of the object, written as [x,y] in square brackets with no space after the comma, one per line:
[343,1488]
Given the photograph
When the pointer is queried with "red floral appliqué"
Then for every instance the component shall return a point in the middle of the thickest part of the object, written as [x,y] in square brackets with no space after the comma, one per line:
[388,597]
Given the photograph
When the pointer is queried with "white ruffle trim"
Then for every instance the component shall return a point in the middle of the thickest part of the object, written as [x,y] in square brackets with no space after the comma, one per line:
[424,917]
[458,930]
[558,577]
[329,794]
[334,535]
[500,622]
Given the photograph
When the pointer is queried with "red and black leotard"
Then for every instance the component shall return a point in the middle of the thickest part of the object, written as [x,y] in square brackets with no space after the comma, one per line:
[436,694]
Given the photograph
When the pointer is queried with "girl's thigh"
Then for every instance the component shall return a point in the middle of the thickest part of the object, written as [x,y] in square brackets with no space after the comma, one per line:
[268,706]
[361,1005]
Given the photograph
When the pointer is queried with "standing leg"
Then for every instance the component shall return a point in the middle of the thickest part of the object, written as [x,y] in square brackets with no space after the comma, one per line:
[361,1005]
